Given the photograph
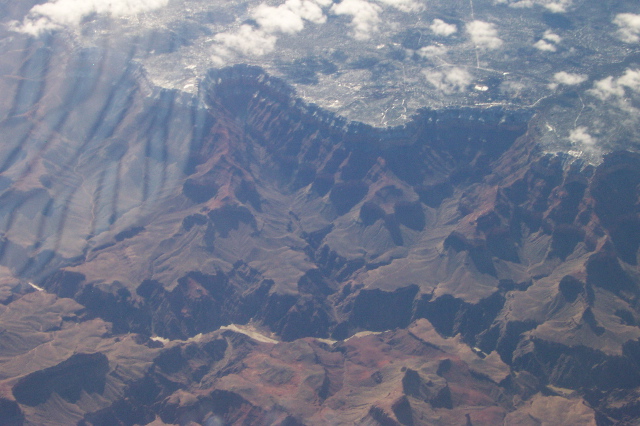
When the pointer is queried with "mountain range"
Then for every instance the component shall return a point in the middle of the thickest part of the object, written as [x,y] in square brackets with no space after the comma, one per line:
[244,257]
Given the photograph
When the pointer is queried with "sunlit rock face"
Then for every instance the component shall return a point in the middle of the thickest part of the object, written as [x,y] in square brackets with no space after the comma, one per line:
[216,257]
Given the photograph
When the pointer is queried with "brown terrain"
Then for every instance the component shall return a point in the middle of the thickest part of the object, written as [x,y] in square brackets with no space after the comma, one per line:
[242,257]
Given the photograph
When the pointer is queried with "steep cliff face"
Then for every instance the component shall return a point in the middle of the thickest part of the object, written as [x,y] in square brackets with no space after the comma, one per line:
[501,277]
[285,211]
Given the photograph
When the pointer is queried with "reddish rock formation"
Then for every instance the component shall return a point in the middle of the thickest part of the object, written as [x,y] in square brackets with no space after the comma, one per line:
[503,279]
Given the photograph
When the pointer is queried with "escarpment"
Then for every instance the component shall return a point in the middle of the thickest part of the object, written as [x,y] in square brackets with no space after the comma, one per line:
[417,271]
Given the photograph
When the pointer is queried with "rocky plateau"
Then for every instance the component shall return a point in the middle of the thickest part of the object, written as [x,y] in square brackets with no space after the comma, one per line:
[243,257]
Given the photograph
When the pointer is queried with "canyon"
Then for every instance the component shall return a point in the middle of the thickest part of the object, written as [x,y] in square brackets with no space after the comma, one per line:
[240,256]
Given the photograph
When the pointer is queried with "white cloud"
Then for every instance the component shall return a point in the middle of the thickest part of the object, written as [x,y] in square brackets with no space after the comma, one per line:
[288,17]
[432,51]
[606,88]
[450,81]
[308,10]
[629,27]
[569,79]
[365,16]
[58,14]
[404,5]
[484,35]
[441,28]
[631,80]
[548,42]
[277,19]
[555,6]
[580,136]
[552,37]
[545,46]
[247,40]
[516,4]
[512,88]
[616,87]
